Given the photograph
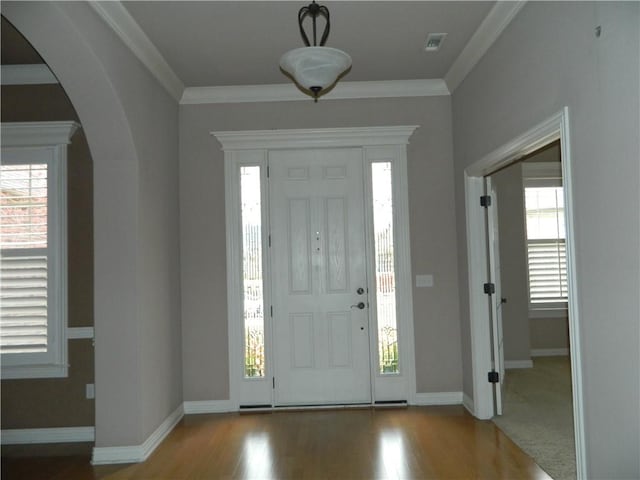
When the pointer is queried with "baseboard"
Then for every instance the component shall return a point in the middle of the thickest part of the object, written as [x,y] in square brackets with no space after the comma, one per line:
[508,364]
[208,406]
[47,435]
[138,453]
[439,398]
[550,352]
[467,401]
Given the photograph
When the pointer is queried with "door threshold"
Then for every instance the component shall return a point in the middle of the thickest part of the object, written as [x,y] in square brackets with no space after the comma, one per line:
[330,406]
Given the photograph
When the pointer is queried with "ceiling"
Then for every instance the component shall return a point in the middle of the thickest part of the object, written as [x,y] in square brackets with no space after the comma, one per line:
[240,43]
[219,46]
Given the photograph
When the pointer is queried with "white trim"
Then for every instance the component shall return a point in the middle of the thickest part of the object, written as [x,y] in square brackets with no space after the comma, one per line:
[25,436]
[553,128]
[487,33]
[123,24]
[24,143]
[37,134]
[208,406]
[32,74]
[438,398]
[467,402]
[74,333]
[251,147]
[478,307]
[516,364]
[138,453]
[287,92]
[550,352]
[315,138]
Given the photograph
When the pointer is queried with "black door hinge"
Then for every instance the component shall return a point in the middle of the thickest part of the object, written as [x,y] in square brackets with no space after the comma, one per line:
[485,201]
[489,288]
[274,382]
[268,172]
[493,377]
[271,310]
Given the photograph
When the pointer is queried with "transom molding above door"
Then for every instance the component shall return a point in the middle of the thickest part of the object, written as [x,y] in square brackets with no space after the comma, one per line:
[315,138]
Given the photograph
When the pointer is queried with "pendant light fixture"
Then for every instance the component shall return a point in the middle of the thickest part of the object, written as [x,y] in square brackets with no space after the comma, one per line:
[315,68]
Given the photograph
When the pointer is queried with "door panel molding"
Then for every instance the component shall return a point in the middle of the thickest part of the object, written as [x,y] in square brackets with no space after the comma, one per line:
[243,148]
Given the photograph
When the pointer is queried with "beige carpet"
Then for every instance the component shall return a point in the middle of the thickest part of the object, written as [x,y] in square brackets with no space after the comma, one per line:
[538,414]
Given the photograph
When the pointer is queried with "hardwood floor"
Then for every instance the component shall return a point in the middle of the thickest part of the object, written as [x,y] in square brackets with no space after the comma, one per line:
[411,443]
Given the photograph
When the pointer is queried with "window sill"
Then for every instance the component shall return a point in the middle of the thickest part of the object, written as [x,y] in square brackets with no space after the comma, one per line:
[551,312]
[34,371]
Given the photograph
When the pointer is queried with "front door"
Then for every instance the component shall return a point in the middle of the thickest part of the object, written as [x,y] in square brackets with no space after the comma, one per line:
[318,261]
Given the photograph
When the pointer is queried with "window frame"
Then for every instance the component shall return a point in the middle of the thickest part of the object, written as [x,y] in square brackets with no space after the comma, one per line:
[541,174]
[45,142]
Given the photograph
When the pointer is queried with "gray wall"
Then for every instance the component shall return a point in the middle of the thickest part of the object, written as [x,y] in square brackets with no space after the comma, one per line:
[433,238]
[131,125]
[549,57]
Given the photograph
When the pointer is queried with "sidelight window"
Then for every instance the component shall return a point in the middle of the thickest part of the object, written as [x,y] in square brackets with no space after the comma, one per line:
[252,278]
[385,276]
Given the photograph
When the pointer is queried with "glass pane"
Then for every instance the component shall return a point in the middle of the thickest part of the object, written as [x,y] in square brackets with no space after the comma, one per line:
[545,212]
[23,206]
[252,272]
[385,267]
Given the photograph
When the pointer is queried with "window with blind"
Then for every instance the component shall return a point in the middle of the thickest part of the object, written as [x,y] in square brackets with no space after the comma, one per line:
[33,291]
[545,226]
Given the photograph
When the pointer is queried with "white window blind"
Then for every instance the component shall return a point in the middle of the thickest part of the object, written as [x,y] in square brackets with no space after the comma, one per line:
[23,266]
[546,248]
[33,261]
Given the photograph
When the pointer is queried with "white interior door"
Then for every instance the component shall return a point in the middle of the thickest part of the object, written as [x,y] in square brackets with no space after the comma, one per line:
[496,297]
[321,334]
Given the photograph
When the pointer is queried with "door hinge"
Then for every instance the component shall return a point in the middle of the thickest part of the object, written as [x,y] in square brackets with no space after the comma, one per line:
[493,377]
[273,379]
[485,201]
[268,171]
[271,310]
[269,240]
[489,288]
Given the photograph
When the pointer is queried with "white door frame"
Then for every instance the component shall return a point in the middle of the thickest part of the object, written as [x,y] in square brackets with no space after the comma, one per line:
[554,128]
[377,144]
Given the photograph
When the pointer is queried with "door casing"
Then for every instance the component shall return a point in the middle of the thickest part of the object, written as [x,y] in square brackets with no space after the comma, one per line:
[553,128]
[377,144]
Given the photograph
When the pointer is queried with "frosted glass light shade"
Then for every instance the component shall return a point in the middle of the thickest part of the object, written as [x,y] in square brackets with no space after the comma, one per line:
[315,68]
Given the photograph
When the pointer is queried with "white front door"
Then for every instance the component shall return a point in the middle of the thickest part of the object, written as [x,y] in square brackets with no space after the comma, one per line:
[318,265]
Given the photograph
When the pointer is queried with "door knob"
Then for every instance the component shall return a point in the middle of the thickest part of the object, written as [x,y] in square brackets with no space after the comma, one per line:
[360,305]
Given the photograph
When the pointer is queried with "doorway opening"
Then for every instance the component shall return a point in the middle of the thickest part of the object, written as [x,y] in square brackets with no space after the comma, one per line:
[527,241]
[485,297]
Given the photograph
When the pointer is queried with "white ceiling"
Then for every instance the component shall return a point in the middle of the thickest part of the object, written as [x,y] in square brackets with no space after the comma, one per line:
[228,51]
[216,43]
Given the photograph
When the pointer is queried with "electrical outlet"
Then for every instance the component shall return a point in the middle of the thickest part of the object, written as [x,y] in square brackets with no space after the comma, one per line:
[90,390]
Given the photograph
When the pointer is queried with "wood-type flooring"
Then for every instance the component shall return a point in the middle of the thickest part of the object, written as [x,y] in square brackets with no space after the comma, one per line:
[385,443]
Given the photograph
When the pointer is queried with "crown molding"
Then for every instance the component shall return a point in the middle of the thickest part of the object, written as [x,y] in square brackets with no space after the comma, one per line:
[123,24]
[487,33]
[284,92]
[31,74]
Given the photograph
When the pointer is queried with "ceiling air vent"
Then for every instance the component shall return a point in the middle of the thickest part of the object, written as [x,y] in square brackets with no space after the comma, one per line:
[434,40]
